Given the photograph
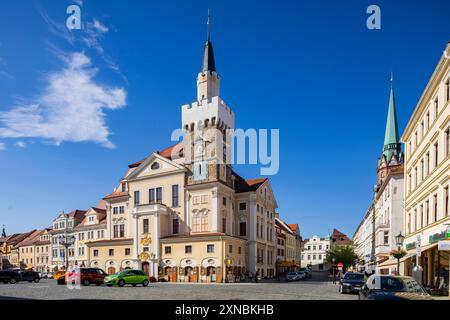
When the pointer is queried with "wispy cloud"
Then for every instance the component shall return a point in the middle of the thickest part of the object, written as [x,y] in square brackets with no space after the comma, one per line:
[20,144]
[91,34]
[2,146]
[70,108]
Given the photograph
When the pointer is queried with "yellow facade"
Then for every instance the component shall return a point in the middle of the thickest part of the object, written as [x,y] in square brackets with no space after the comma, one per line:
[427,177]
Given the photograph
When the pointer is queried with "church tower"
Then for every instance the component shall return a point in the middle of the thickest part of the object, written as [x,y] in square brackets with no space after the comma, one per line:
[392,156]
[206,123]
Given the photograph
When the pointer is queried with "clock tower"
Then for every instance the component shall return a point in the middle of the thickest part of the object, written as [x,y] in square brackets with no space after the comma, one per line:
[206,123]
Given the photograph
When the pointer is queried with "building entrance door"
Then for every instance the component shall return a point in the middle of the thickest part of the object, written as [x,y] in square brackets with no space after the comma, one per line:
[111,270]
[188,273]
[146,268]
[211,274]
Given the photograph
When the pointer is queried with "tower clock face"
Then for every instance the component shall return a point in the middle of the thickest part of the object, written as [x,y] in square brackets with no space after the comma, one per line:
[199,149]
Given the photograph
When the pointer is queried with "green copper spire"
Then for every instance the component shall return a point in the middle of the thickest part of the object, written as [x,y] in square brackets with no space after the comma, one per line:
[391,138]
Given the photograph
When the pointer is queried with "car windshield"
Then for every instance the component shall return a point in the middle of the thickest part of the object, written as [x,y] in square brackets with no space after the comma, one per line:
[354,276]
[292,274]
[400,285]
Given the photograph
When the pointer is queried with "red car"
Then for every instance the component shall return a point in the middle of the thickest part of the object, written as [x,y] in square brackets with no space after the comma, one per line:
[87,276]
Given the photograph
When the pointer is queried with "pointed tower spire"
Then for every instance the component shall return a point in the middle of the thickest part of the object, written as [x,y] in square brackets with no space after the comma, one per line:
[392,144]
[3,232]
[208,54]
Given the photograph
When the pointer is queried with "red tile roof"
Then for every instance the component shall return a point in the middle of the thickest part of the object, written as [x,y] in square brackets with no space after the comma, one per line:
[293,226]
[116,194]
[242,185]
[340,238]
[166,153]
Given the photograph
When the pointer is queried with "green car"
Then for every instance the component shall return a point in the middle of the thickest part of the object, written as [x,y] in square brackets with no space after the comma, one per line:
[133,277]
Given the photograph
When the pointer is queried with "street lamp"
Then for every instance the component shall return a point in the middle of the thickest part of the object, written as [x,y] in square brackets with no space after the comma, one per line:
[399,241]
[66,240]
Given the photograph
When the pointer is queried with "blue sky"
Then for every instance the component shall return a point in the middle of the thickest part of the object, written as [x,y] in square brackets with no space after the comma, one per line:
[311,69]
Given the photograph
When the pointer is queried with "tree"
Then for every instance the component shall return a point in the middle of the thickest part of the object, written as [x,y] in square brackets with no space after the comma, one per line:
[343,254]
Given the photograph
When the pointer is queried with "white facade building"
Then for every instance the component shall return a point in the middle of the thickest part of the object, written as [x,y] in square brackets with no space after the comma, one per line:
[314,253]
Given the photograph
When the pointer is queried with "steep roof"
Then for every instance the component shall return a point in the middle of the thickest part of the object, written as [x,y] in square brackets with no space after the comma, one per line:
[340,238]
[242,185]
[391,146]
[31,239]
[166,153]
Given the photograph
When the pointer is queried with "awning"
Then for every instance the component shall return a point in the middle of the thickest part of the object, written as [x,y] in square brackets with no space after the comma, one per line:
[409,255]
[388,263]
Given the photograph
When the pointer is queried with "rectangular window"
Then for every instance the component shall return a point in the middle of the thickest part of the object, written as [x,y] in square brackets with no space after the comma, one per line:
[122,231]
[111,252]
[435,211]
[230,248]
[427,212]
[242,206]
[242,229]
[175,200]
[447,142]
[436,108]
[115,210]
[386,237]
[151,196]
[446,204]
[121,209]
[447,90]
[145,226]
[224,201]
[116,231]
[159,195]
[137,199]
[127,251]
[187,249]
[210,248]
[175,226]
[168,250]
[239,250]
[124,187]
[224,225]
[436,154]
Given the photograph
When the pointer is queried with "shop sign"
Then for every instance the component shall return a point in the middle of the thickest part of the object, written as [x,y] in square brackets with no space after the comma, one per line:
[438,236]
[444,245]
[410,246]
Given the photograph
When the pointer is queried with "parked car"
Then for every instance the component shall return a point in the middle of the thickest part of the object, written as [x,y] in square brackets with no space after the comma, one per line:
[86,276]
[301,275]
[307,271]
[9,276]
[60,277]
[387,287]
[129,276]
[351,282]
[43,275]
[29,275]
[292,276]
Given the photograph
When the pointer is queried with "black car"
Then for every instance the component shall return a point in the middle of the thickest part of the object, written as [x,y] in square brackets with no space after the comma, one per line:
[385,287]
[351,282]
[28,275]
[9,276]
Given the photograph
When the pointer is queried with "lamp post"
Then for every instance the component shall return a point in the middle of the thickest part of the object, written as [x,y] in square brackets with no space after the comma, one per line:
[399,241]
[66,240]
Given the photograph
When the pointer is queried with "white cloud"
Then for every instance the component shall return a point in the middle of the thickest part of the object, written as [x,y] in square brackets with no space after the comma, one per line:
[20,144]
[71,107]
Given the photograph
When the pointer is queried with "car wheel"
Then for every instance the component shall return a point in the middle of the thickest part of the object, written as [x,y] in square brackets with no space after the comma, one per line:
[98,284]
[86,282]
[36,280]
[12,281]
[145,283]
[121,283]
